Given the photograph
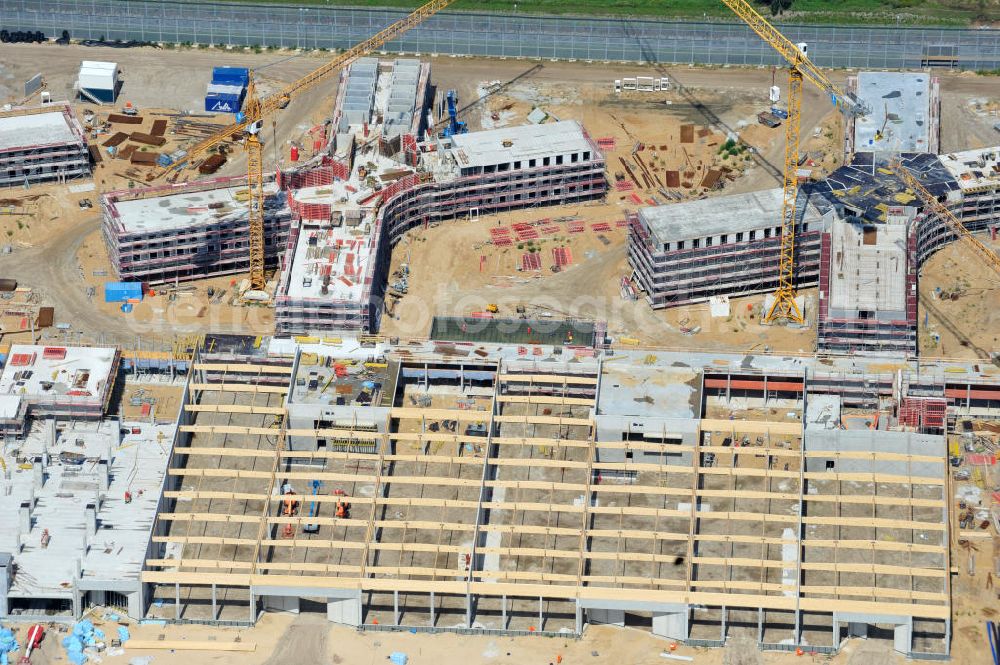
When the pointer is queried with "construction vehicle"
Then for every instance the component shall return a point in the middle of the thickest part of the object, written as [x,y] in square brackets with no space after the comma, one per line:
[784,307]
[493,308]
[314,506]
[768,119]
[256,109]
[455,126]
[130,109]
[32,642]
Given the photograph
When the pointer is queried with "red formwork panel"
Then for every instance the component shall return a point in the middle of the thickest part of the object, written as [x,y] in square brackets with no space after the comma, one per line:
[576,226]
[531,261]
[600,226]
[922,412]
[562,256]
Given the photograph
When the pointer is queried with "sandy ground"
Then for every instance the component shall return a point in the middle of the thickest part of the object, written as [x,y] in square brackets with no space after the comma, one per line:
[724,100]
[969,325]
[450,277]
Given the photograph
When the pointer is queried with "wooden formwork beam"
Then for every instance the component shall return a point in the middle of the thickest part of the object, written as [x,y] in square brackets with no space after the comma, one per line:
[569,379]
[551,591]
[418,413]
[236,408]
[546,399]
[875,593]
[239,388]
[545,420]
[249,565]
[868,568]
[243,368]
[750,427]
[316,543]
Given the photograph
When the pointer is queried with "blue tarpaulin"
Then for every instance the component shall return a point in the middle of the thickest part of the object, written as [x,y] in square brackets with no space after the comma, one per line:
[122,291]
[231,75]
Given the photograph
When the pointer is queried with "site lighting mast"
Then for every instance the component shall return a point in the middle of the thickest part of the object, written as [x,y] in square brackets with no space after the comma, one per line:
[784,307]
[256,109]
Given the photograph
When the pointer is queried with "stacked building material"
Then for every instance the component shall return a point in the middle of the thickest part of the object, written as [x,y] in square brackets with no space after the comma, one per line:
[226,91]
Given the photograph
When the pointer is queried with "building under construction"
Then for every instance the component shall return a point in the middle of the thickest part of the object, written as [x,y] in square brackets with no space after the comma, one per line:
[424,487]
[188,231]
[861,236]
[905,113]
[518,489]
[351,206]
[41,144]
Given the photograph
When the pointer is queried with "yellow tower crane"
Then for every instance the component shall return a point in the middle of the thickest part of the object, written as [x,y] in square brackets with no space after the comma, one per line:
[255,109]
[784,307]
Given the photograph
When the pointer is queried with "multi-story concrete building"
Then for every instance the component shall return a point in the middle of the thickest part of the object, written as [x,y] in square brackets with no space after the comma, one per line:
[861,237]
[189,230]
[41,144]
[724,245]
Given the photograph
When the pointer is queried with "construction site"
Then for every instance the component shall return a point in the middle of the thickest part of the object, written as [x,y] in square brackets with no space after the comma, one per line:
[323,357]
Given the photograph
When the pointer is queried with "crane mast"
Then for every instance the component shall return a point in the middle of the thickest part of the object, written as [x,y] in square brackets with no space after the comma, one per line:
[784,307]
[255,109]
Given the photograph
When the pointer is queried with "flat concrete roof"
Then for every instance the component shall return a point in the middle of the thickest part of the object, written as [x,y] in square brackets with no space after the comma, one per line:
[116,552]
[868,270]
[526,142]
[974,168]
[906,100]
[649,391]
[36,129]
[719,214]
[82,372]
[342,253]
[187,209]
[9,406]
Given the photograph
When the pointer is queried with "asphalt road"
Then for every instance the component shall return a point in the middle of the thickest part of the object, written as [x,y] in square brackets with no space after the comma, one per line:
[470,33]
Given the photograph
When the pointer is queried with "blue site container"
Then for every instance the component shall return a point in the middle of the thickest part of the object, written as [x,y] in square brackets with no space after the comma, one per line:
[122,291]
[231,75]
[223,103]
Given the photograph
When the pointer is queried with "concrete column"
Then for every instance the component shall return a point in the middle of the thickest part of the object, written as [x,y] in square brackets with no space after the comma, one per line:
[6,562]
[135,604]
[579,619]
[541,617]
[38,471]
[607,617]
[503,612]
[24,518]
[177,600]
[902,637]
[433,622]
[90,520]
[102,474]
[673,625]
[281,603]
[346,611]
[468,610]
[215,603]
[395,607]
